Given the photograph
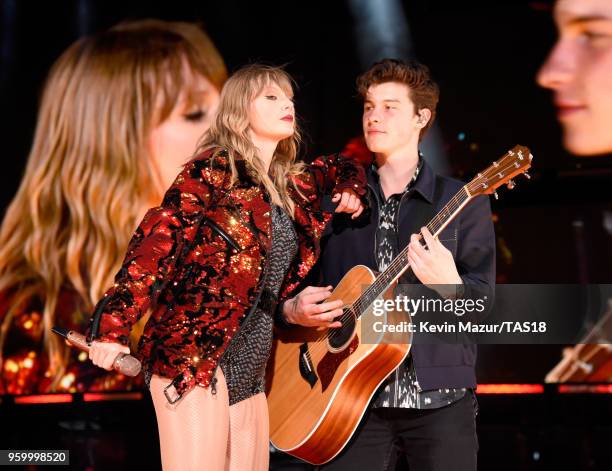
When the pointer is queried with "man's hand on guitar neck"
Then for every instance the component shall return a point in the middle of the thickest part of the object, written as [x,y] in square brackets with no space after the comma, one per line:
[308,309]
[433,264]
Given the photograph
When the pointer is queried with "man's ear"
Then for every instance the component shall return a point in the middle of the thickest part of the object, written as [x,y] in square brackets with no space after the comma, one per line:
[424,117]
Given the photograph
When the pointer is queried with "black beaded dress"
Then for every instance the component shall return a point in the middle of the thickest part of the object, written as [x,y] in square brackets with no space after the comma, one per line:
[244,362]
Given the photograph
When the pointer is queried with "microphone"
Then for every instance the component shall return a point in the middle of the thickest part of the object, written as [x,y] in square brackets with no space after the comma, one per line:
[124,363]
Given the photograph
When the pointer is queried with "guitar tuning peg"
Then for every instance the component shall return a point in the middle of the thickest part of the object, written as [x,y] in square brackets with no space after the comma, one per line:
[510,184]
[496,195]
[527,176]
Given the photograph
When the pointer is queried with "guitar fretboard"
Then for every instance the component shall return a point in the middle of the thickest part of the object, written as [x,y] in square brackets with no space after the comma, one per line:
[400,263]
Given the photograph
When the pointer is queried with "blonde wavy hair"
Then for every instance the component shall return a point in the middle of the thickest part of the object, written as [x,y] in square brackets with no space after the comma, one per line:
[88,175]
[230,130]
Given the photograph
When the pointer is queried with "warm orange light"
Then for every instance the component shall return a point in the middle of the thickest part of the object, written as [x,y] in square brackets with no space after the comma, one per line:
[585,388]
[43,399]
[94,397]
[11,366]
[510,389]
[67,380]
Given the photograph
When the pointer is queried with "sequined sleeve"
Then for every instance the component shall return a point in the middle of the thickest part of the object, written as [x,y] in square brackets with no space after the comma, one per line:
[155,247]
[326,175]
[336,173]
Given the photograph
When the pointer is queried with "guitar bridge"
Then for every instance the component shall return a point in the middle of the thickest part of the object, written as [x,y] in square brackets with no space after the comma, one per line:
[306,366]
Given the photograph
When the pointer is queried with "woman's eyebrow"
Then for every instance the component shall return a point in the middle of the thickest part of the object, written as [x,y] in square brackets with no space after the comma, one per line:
[581,20]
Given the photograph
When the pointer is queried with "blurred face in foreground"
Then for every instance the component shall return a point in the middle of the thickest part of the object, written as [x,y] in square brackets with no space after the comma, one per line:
[173,141]
[579,72]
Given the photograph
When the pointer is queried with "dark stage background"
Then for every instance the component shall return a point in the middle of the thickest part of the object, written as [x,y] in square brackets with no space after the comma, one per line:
[485,57]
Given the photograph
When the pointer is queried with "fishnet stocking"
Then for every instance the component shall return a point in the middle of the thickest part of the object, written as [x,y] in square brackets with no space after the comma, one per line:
[249,435]
[202,432]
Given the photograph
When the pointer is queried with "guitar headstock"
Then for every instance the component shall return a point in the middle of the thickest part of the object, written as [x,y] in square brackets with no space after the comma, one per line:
[514,162]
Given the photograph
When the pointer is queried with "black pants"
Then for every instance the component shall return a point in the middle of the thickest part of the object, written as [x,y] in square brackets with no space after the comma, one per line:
[431,440]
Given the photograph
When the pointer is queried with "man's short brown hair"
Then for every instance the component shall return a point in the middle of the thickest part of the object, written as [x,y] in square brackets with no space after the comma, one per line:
[422,89]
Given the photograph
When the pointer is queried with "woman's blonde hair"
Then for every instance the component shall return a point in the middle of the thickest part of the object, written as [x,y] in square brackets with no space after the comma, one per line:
[230,130]
[88,175]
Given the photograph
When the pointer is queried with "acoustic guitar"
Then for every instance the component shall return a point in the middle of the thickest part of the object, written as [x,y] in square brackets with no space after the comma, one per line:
[320,382]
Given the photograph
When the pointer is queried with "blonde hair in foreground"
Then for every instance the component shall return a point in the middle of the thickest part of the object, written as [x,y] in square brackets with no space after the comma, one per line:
[230,130]
[88,175]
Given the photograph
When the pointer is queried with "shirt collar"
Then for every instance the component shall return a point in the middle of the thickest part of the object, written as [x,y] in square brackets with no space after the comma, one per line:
[423,182]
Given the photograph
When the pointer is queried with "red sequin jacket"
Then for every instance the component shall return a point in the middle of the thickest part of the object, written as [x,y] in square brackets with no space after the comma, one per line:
[198,260]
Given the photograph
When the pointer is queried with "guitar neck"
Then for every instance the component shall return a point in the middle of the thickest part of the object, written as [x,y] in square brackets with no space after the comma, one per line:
[400,264]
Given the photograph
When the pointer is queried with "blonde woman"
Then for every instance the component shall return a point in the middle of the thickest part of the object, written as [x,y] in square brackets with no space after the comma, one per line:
[236,233]
[121,112]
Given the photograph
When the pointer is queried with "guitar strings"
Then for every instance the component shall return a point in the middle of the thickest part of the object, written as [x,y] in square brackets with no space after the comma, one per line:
[391,272]
[393,269]
[458,199]
[400,262]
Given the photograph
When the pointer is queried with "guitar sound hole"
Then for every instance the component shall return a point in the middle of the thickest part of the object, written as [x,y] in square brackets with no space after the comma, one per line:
[339,337]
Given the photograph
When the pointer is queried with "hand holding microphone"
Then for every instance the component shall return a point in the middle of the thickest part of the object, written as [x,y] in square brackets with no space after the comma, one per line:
[107,355]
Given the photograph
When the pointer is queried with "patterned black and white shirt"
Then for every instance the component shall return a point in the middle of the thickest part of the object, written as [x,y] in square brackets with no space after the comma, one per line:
[401,388]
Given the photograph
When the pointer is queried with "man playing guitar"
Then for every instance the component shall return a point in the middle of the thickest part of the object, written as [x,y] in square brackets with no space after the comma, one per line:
[426,409]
